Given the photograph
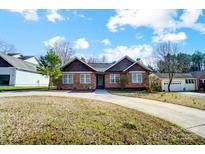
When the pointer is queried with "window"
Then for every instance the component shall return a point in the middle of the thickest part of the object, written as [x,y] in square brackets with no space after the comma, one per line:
[85,78]
[114,78]
[67,78]
[202,81]
[189,81]
[136,77]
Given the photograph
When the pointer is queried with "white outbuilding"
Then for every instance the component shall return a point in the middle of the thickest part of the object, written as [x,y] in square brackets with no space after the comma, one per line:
[19,70]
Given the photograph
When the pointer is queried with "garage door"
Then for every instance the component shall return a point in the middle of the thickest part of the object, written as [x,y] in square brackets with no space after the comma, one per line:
[175,86]
[4,80]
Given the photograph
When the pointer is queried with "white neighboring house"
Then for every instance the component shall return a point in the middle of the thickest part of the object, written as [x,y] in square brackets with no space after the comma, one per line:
[180,82]
[19,70]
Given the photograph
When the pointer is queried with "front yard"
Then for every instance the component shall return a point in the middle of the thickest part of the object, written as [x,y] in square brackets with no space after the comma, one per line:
[167,97]
[60,120]
[14,88]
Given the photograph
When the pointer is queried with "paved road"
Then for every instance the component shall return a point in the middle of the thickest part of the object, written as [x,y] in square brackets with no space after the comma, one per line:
[186,117]
[194,94]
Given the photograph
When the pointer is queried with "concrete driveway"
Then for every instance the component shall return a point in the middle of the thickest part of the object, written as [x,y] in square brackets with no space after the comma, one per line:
[186,117]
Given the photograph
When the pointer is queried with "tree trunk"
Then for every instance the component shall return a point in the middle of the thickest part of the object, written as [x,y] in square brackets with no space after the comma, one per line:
[169,87]
[170,81]
[49,84]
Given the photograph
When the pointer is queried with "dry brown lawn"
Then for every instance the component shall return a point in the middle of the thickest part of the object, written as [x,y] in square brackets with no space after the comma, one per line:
[167,97]
[60,120]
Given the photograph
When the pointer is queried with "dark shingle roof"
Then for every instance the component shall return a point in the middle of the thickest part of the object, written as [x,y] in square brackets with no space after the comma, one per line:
[18,63]
[177,75]
[25,57]
[12,54]
[100,67]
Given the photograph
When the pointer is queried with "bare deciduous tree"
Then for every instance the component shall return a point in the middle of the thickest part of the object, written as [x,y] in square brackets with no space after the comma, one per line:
[97,60]
[6,47]
[64,51]
[168,62]
[104,59]
[92,60]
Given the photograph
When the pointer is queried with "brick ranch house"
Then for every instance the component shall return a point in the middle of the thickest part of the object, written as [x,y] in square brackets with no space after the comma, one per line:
[80,75]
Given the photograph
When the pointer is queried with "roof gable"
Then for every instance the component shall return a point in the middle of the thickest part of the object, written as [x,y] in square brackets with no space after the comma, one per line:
[4,63]
[77,65]
[137,66]
[120,65]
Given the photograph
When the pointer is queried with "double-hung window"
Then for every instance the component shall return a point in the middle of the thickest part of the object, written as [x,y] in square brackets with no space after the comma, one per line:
[67,78]
[85,78]
[189,81]
[136,77]
[114,78]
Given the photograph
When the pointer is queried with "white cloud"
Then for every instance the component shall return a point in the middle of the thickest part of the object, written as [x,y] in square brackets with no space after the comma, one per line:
[51,42]
[53,16]
[81,15]
[189,19]
[159,20]
[172,37]
[81,43]
[106,42]
[135,51]
[27,14]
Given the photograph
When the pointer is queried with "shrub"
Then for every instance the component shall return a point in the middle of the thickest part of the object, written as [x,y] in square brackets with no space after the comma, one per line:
[130,125]
[153,84]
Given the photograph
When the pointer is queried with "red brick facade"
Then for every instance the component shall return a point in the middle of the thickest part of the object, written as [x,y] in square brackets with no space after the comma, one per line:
[77,66]
[76,83]
[129,85]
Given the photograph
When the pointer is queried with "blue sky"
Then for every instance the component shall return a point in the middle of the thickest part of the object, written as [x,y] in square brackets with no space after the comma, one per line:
[110,33]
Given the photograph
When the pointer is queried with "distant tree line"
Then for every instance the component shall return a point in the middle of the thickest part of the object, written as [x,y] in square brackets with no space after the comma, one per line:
[186,62]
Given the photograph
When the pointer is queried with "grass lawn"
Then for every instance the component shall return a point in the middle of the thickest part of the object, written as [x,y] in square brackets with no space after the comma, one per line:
[168,97]
[60,120]
[12,88]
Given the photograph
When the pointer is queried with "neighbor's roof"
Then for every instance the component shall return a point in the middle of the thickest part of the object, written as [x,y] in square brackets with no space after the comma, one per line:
[18,63]
[100,67]
[197,74]
[177,75]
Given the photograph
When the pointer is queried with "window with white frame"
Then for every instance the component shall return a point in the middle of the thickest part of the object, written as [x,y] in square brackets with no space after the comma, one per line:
[114,78]
[67,78]
[85,78]
[136,77]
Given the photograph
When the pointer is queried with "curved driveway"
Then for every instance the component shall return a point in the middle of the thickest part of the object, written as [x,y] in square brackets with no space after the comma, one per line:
[186,117]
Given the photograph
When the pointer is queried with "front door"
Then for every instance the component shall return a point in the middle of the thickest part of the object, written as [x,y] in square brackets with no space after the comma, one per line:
[100,81]
[202,84]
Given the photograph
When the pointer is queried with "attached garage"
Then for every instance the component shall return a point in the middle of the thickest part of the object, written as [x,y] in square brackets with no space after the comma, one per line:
[175,86]
[180,82]
[4,80]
